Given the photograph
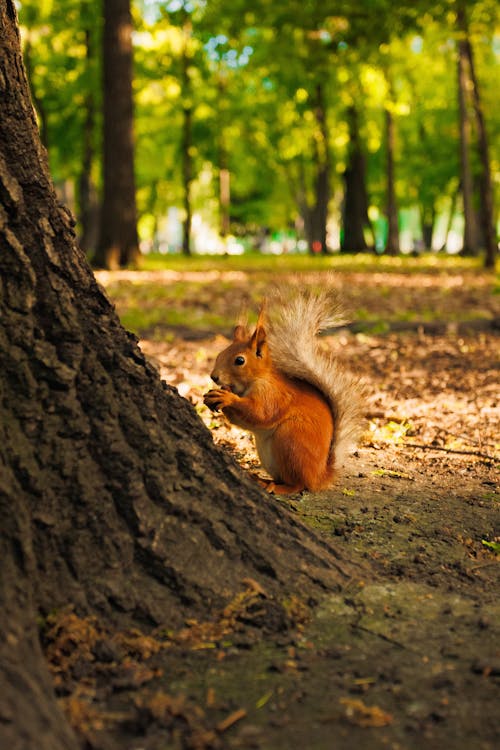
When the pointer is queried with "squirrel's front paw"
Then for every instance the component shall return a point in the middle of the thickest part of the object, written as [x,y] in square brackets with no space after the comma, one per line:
[218,398]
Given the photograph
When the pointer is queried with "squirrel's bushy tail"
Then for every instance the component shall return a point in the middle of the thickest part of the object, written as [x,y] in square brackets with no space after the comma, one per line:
[295,318]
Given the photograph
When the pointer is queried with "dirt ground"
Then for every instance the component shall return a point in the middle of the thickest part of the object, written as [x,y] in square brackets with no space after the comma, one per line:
[408,654]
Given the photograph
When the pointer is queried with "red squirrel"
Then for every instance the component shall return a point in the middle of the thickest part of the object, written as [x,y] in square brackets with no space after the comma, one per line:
[277,382]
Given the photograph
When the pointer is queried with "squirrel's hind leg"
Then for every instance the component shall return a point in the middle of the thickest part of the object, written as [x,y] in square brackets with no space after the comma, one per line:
[277,488]
[284,489]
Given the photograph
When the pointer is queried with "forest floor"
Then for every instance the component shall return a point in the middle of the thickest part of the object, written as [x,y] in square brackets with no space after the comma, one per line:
[407,655]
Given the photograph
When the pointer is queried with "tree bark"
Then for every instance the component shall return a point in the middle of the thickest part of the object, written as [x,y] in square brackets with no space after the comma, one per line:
[113,497]
[118,242]
[355,207]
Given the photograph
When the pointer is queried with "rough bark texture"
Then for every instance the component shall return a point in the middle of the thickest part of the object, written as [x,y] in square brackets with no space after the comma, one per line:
[112,494]
[118,243]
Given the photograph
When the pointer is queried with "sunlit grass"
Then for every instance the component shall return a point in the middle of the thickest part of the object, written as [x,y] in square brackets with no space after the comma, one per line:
[207,293]
[361,262]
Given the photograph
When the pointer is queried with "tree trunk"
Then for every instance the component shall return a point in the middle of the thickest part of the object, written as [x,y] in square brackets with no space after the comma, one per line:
[322,186]
[451,215]
[470,244]
[392,244]
[88,201]
[427,220]
[355,207]
[113,497]
[187,142]
[187,179]
[485,184]
[224,199]
[118,242]
[224,173]
[315,213]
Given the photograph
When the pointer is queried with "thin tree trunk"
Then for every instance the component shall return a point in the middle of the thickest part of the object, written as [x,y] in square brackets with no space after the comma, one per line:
[187,179]
[87,193]
[322,184]
[392,244]
[224,173]
[315,213]
[113,497]
[225,200]
[355,206]
[118,242]
[427,220]
[485,183]
[187,142]
[451,215]
[470,244]
[298,187]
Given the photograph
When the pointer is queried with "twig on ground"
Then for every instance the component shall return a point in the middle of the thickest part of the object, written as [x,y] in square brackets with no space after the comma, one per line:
[479,454]
[386,638]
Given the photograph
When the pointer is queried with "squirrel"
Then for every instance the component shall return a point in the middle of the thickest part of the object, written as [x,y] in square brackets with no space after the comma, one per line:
[302,406]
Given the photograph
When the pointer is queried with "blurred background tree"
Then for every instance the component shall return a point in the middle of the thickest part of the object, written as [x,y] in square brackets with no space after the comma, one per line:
[312,126]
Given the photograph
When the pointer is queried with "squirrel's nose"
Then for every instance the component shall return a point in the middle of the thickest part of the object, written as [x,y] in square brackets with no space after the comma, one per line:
[215,377]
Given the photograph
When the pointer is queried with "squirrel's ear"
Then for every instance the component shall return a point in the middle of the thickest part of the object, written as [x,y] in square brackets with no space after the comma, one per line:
[240,333]
[259,337]
[258,340]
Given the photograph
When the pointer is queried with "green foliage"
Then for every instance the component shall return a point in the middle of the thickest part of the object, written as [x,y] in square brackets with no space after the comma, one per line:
[61,76]
[493,546]
[253,72]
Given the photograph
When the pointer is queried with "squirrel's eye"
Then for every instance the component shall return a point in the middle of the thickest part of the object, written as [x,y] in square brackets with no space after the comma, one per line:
[239,360]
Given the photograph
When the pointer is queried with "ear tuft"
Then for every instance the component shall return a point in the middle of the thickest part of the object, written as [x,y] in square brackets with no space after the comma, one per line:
[258,340]
[240,333]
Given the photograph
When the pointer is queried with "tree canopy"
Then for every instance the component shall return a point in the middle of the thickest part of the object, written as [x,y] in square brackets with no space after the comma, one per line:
[249,75]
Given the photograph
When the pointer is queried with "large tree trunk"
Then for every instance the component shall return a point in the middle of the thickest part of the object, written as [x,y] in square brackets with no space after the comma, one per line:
[113,496]
[118,242]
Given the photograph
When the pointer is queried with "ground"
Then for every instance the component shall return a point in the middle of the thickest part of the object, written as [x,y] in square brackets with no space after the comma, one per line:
[407,655]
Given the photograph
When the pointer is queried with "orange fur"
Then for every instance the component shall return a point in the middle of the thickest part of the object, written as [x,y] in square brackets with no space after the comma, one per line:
[291,419]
